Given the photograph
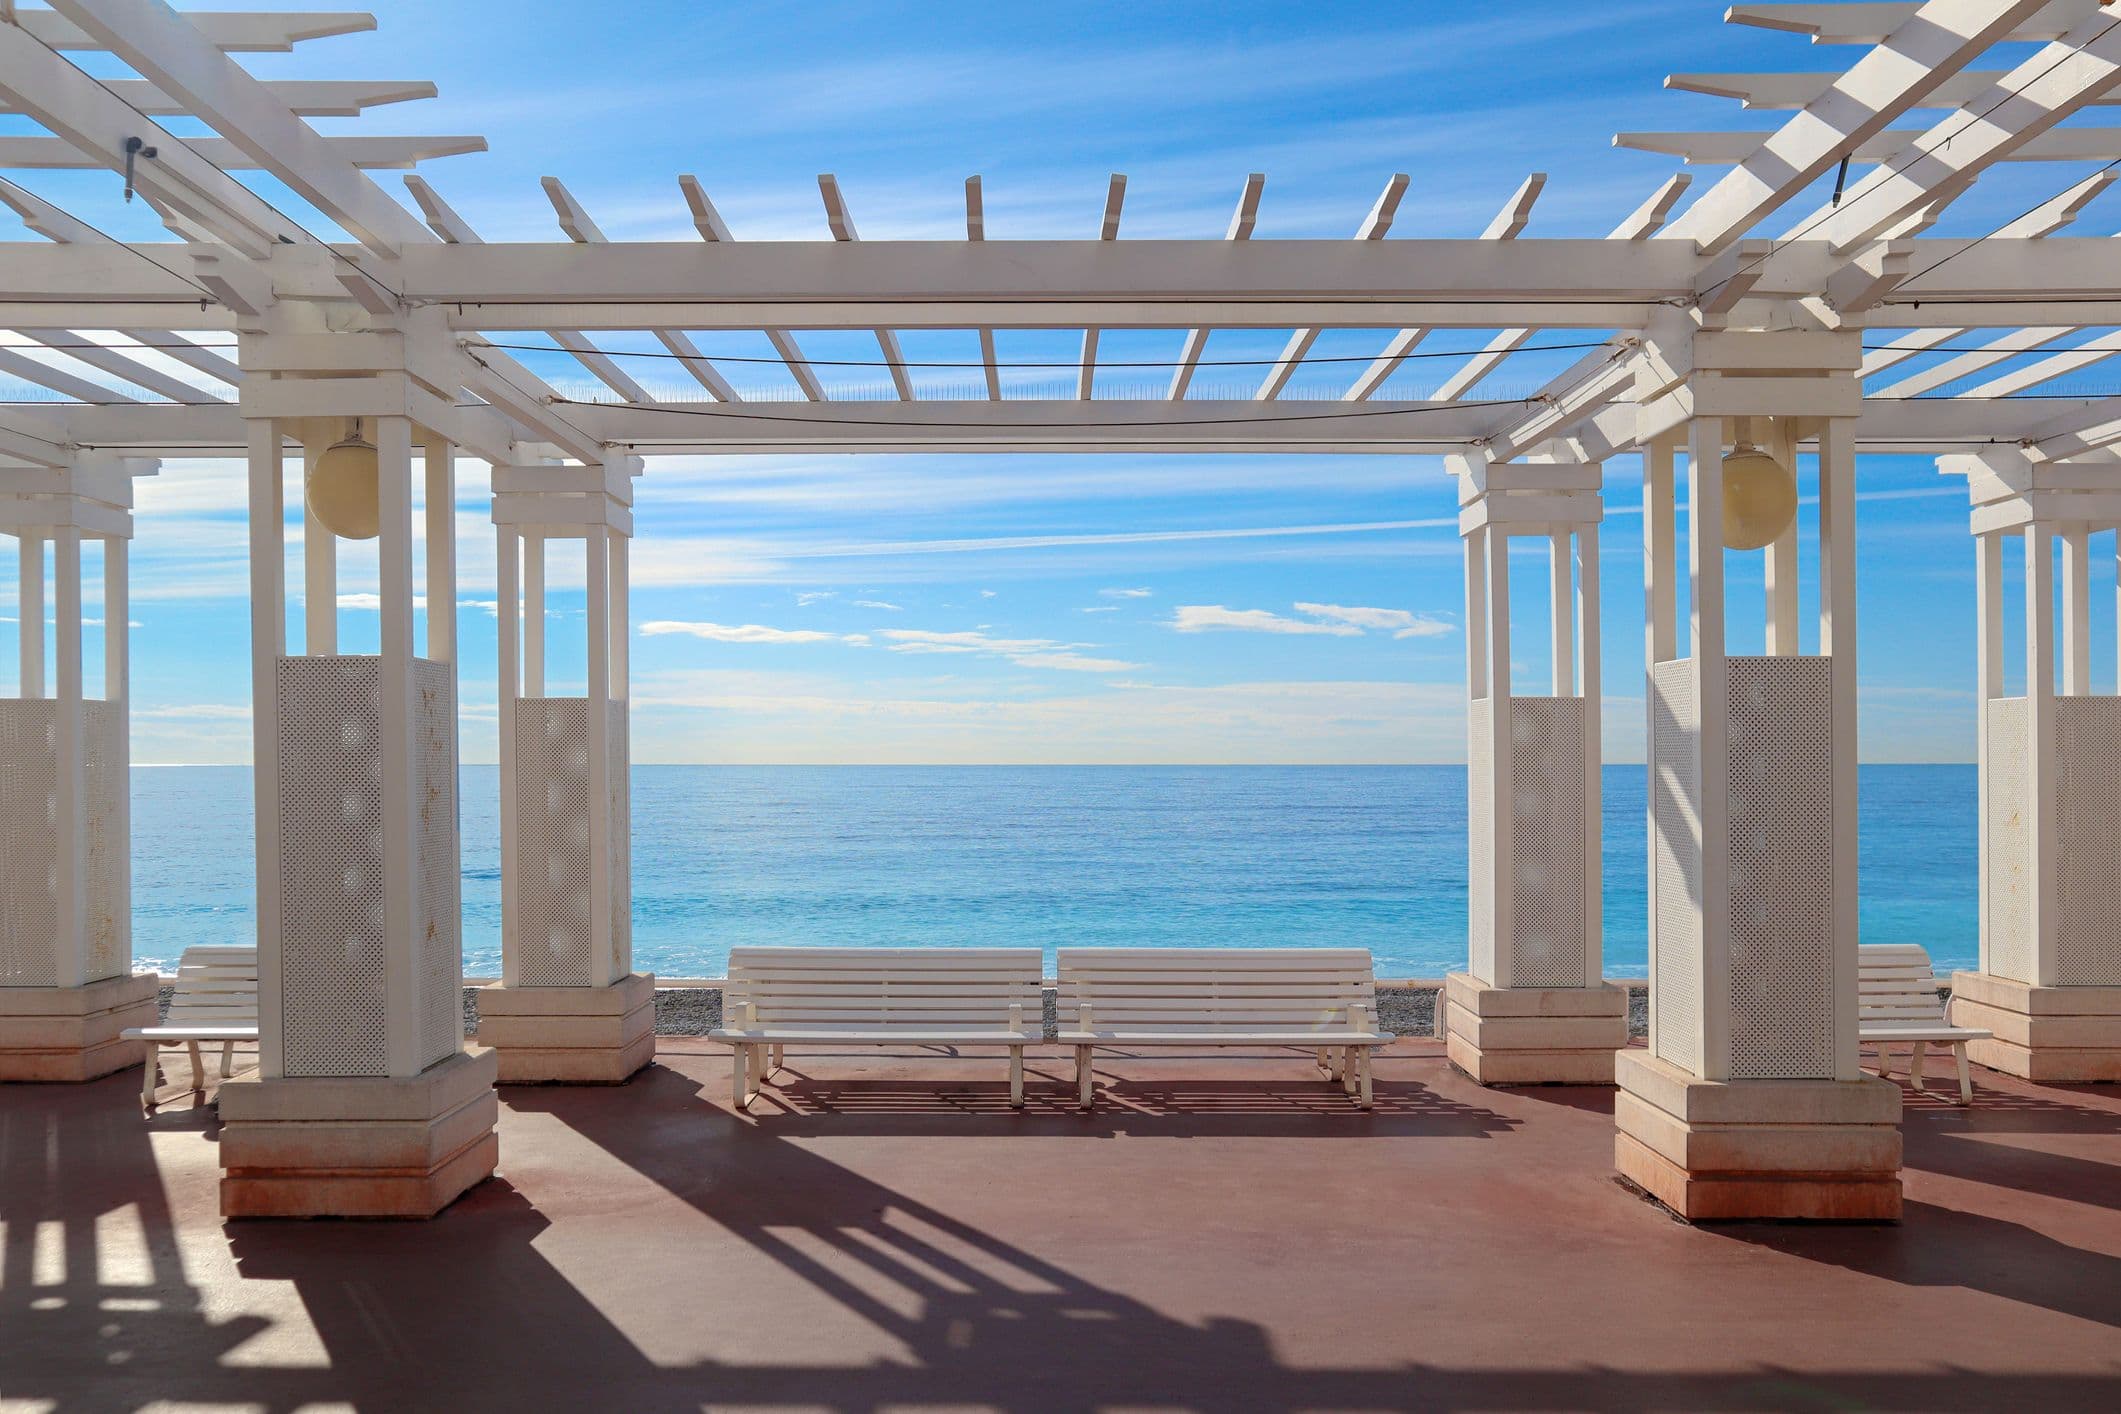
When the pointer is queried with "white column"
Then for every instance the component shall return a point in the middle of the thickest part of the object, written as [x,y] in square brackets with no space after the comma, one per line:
[1495,542]
[1712,705]
[268,642]
[320,566]
[508,591]
[2043,836]
[533,614]
[2076,611]
[1593,692]
[1782,593]
[29,607]
[70,824]
[597,558]
[1837,641]
[396,712]
[1988,686]
[1562,613]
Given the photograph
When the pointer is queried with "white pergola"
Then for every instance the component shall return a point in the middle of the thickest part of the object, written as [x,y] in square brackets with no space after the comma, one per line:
[1762,312]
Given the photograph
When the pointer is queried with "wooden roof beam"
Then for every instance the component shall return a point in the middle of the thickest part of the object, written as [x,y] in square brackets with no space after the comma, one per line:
[842,224]
[712,228]
[976,230]
[1925,46]
[2048,87]
[1374,227]
[1712,149]
[1242,222]
[578,225]
[368,154]
[1783,92]
[310,98]
[1641,223]
[231,31]
[455,230]
[1108,230]
[1507,225]
[1875,21]
[67,385]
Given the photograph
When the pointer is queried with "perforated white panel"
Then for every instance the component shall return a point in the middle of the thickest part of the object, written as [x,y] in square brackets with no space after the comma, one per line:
[110,925]
[1480,857]
[29,842]
[2088,813]
[28,868]
[2007,896]
[331,867]
[1781,872]
[552,841]
[1547,855]
[438,950]
[334,943]
[1675,860]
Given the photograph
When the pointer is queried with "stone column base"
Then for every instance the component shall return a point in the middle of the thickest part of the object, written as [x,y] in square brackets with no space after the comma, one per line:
[2056,1034]
[1534,1035]
[358,1146]
[72,1033]
[570,1035]
[1824,1150]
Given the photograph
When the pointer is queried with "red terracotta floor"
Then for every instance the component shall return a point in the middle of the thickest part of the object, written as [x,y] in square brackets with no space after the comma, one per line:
[1225,1234]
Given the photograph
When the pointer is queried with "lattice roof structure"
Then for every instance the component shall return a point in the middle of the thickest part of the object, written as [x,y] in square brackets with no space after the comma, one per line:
[136,343]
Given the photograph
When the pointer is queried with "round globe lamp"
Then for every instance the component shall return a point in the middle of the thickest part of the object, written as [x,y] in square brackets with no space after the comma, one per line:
[1759,498]
[344,492]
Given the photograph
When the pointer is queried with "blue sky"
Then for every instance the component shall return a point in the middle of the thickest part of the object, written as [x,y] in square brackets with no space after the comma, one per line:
[1120,608]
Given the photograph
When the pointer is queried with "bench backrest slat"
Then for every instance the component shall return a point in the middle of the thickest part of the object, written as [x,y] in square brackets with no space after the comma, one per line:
[1212,989]
[216,986]
[1895,983]
[882,987]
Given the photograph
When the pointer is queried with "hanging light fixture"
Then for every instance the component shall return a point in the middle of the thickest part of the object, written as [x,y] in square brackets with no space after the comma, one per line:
[1759,498]
[344,491]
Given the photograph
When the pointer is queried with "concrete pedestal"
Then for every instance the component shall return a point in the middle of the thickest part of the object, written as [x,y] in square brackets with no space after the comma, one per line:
[358,1147]
[1534,1035]
[2057,1034]
[71,1033]
[570,1035]
[1826,1150]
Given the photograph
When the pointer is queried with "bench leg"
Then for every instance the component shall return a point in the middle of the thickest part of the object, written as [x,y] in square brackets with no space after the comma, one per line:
[1885,1069]
[775,1054]
[1362,1061]
[198,1067]
[1085,1095]
[1914,1066]
[1016,1077]
[1350,1063]
[1324,1058]
[228,1057]
[150,1076]
[742,1087]
[1966,1075]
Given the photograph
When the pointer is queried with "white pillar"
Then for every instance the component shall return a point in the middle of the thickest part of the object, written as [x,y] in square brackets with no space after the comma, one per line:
[1532,1006]
[2049,981]
[359,959]
[1753,874]
[569,1007]
[67,989]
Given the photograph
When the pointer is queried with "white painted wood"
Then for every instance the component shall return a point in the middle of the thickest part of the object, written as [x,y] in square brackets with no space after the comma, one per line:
[117,690]
[708,222]
[2076,611]
[320,564]
[1561,612]
[1375,227]
[29,613]
[214,999]
[1592,689]
[1712,704]
[1898,1004]
[1181,997]
[1241,226]
[842,224]
[533,615]
[1501,906]
[597,555]
[881,997]
[1837,641]
[1922,52]
[2044,833]
[268,640]
[1988,678]
[397,713]
[507,592]
[1086,361]
[70,819]
[439,506]
[1782,637]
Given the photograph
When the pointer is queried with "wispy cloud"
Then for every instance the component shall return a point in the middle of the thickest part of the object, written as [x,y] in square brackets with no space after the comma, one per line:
[736,633]
[1199,618]
[1402,623]
[812,596]
[877,604]
[1024,652]
[1125,593]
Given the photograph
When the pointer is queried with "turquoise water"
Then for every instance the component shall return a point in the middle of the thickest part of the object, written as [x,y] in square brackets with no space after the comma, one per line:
[1331,856]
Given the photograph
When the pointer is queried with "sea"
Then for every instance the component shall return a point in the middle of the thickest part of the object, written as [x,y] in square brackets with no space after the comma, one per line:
[1145,856]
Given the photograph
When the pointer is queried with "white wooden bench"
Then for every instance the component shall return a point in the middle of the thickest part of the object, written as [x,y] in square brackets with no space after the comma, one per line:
[1899,1003]
[778,997]
[215,999]
[1323,999]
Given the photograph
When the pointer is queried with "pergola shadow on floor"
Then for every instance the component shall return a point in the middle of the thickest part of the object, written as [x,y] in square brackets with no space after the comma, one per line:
[1460,1247]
